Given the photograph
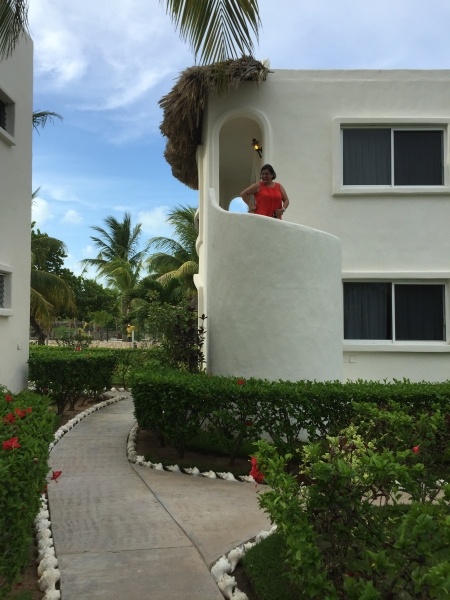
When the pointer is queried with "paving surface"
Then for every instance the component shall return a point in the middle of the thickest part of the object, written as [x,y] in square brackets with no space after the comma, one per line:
[123,531]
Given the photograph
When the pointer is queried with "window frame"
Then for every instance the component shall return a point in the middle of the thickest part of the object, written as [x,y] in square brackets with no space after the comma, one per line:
[393,342]
[426,124]
[6,309]
[7,134]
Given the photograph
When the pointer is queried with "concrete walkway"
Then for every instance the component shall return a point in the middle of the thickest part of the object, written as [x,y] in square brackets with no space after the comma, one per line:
[127,532]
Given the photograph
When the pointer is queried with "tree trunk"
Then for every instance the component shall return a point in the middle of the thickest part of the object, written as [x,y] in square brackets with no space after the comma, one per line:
[38,331]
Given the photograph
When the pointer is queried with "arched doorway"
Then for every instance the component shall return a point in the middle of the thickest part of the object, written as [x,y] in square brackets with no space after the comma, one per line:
[239,164]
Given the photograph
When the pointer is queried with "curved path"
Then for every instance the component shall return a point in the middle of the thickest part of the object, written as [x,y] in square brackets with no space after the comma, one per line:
[127,532]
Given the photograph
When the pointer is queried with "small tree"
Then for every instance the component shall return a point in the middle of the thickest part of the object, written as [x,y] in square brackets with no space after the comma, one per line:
[180,334]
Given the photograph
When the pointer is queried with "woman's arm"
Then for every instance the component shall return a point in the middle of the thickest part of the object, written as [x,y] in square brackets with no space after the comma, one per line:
[285,201]
[284,197]
[250,191]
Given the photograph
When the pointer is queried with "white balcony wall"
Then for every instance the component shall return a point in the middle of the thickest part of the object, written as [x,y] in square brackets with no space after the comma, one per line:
[274,298]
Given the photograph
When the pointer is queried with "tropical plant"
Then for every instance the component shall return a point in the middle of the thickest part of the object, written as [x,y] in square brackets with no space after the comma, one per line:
[49,295]
[177,258]
[41,117]
[13,24]
[215,29]
[120,259]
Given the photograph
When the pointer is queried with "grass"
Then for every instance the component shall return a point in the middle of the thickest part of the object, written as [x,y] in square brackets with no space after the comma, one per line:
[264,566]
[22,595]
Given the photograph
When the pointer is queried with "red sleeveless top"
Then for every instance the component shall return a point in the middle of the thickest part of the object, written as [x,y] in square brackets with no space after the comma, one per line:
[268,199]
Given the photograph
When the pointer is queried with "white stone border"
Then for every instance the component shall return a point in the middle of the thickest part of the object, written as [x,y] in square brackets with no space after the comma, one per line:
[48,572]
[136,459]
[222,569]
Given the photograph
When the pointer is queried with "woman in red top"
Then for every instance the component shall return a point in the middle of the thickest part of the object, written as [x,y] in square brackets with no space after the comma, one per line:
[271,199]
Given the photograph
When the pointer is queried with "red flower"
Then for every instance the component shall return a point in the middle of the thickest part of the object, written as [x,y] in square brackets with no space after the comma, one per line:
[10,418]
[416,449]
[255,472]
[21,413]
[55,475]
[240,381]
[29,410]
[248,423]
[11,443]
[9,398]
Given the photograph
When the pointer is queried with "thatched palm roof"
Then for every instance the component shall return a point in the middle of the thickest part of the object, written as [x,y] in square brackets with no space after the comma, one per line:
[183,109]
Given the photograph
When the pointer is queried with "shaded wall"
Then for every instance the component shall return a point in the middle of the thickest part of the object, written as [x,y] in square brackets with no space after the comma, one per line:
[16,77]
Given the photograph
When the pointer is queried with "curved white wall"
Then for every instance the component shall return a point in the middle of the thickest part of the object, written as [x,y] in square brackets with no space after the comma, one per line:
[274,298]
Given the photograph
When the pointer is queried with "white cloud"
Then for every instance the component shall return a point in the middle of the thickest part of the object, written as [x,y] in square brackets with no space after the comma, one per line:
[72,216]
[41,212]
[113,50]
[154,222]
[88,251]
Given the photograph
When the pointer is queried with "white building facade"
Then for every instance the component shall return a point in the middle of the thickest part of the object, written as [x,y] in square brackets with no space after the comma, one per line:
[16,91]
[361,279]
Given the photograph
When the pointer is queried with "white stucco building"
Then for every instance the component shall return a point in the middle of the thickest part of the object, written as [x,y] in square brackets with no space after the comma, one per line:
[16,76]
[355,282]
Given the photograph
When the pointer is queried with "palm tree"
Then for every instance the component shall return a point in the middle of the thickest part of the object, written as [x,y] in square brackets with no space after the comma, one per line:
[50,295]
[215,29]
[177,258]
[119,260]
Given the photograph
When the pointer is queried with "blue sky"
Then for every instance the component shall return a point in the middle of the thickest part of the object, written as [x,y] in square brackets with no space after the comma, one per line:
[104,64]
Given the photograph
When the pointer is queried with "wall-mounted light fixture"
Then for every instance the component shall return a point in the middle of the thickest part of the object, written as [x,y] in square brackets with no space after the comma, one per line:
[257,147]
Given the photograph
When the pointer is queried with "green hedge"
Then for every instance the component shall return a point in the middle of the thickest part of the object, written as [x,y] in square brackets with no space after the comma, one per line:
[173,405]
[66,375]
[399,415]
[26,430]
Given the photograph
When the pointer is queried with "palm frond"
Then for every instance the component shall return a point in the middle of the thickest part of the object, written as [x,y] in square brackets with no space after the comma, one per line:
[216,29]
[40,118]
[49,296]
[43,246]
[13,24]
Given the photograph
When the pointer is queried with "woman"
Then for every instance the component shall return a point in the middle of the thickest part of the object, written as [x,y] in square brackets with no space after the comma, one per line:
[271,199]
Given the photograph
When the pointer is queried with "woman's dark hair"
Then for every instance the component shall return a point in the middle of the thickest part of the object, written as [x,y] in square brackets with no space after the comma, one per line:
[270,169]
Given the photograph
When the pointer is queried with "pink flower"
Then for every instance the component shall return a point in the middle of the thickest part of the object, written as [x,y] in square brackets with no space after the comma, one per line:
[416,449]
[11,443]
[254,471]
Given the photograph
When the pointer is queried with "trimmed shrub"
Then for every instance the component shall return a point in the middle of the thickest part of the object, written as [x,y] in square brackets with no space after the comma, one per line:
[174,405]
[237,410]
[66,375]
[26,430]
